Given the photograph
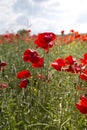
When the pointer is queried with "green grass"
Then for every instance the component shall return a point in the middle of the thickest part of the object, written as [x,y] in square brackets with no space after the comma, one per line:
[42,105]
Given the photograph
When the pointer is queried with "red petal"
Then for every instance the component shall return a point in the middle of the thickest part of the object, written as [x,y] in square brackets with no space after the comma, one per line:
[23,83]
[23,74]
[81,108]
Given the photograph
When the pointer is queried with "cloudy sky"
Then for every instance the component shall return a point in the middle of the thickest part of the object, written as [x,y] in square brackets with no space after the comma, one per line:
[43,15]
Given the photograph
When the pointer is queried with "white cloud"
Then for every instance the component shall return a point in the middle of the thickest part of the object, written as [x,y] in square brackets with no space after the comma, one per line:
[7,17]
[43,15]
[41,24]
[82,18]
[40,1]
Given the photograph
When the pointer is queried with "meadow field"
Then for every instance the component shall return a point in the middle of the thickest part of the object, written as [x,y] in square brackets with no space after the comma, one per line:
[43,81]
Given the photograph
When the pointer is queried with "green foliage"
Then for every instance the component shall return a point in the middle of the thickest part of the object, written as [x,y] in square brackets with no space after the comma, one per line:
[21,32]
[45,104]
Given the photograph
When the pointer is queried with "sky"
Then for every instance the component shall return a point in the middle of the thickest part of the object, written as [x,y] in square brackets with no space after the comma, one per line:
[43,15]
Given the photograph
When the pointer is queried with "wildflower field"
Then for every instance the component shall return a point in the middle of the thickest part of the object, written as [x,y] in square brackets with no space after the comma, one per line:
[43,81]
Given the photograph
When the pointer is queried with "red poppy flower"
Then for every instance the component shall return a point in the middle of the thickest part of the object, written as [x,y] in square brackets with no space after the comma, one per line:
[84,38]
[30,55]
[2,64]
[6,35]
[62,32]
[80,88]
[58,64]
[70,69]
[83,75]
[23,83]
[23,74]
[79,67]
[17,35]
[3,85]
[44,40]
[70,60]
[77,35]
[84,59]
[40,76]
[75,68]
[39,63]
[72,31]
[82,105]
